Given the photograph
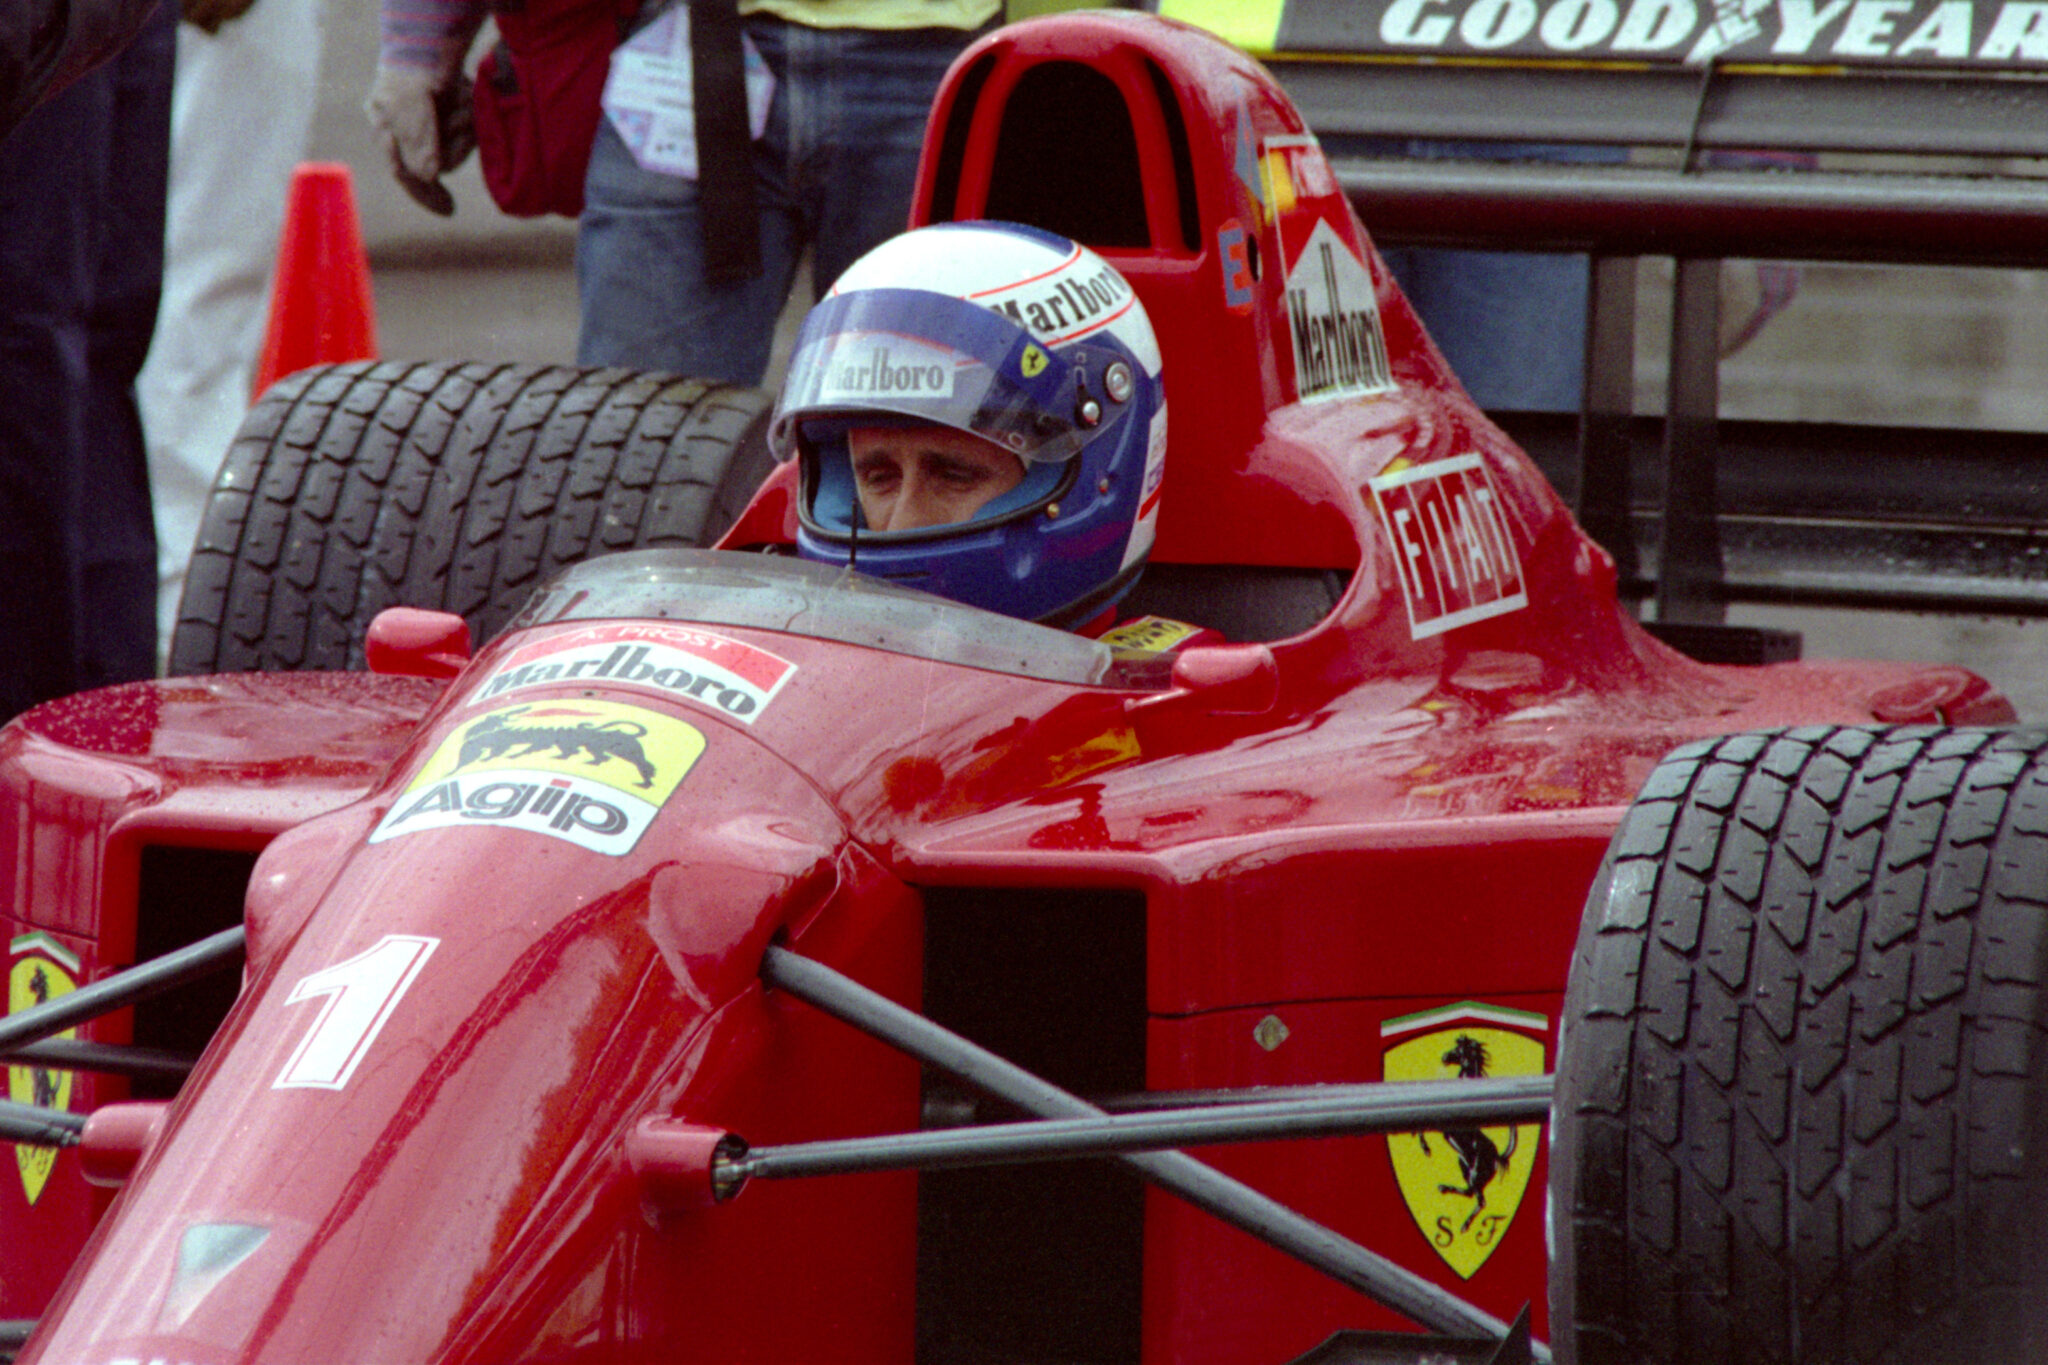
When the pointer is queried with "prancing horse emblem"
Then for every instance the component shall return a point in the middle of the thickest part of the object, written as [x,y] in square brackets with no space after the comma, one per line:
[42,970]
[1464,1184]
[1479,1160]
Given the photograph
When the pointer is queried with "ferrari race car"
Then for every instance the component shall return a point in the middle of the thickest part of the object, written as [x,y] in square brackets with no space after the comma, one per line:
[739,959]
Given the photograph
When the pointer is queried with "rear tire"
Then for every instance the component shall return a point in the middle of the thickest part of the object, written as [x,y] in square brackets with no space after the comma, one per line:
[1802,1104]
[450,485]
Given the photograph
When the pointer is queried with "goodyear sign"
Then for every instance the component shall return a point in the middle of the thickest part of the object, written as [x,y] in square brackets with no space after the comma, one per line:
[1464,1186]
[39,969]
[592,773]
[2005,34]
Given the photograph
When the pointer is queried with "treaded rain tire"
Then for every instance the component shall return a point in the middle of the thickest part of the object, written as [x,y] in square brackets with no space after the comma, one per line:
[1802,1104]
[459,486]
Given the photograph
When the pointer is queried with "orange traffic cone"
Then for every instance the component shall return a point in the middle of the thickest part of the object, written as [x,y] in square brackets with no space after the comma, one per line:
[320,305]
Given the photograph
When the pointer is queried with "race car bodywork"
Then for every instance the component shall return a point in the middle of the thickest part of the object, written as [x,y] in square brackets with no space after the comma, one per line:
[503,1011]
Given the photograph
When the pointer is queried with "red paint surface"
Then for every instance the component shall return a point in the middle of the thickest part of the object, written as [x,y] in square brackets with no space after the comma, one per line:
[1392,819]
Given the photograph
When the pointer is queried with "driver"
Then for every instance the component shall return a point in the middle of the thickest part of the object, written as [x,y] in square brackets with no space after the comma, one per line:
[976,409]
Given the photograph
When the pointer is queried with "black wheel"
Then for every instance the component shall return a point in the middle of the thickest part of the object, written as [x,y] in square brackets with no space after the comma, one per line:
[457,486]
[1802,1107]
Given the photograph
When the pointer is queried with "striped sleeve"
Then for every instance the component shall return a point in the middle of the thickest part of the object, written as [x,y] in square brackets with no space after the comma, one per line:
[427,34]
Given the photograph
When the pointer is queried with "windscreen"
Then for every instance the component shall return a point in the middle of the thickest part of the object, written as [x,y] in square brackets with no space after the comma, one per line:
[825,602]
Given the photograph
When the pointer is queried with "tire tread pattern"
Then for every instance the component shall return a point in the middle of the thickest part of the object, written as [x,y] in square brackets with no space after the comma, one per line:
[459,486]
[1801,1113]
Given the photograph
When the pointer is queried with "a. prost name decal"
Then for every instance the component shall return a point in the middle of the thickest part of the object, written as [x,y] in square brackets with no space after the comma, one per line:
[40,970]
[593,773]
[1452,543]
[733,678]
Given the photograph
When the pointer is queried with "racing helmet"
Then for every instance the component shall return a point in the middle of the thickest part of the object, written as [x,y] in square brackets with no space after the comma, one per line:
[1018,336]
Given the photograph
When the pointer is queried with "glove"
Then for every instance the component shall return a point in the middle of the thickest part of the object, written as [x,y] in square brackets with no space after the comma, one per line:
[209,15]
[427,127]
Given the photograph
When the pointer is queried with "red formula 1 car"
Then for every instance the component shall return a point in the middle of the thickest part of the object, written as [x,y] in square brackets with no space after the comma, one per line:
[735,960]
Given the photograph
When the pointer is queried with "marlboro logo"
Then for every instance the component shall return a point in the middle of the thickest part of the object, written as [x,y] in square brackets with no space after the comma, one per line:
[1339,348]
[869,365]
[1069,305]
[730,677]
[882,371]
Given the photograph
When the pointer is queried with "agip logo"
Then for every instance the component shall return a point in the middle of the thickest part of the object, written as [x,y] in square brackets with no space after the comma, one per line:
[593,773]
[1464,1185]
[41,970]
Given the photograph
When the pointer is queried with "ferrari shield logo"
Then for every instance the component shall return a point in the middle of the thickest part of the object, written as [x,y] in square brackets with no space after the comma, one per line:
[1463,1186]
[41,969]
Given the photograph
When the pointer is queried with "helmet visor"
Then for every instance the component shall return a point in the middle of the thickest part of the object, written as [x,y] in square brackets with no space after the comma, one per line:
[909,353]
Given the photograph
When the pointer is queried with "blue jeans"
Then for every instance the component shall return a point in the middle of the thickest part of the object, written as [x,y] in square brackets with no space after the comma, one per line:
[1512,324]
[82,185]
[834,173]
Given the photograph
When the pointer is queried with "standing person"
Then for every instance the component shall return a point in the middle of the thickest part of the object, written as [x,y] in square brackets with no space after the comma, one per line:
[45,47]
[689,273]
[1511,324]
[82,183]
[241,116]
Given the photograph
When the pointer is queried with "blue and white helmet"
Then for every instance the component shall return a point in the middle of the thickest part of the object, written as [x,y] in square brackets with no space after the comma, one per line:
[1018,336]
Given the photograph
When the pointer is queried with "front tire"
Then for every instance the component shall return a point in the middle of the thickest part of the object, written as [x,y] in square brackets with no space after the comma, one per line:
[1802,1106]
[450,485]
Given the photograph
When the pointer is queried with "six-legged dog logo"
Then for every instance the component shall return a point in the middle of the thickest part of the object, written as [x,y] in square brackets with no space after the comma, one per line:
[499,736]
[593,772]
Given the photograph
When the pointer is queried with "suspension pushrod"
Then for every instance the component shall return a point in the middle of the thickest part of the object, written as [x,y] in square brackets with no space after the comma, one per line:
[113,1059]
[38,1126]
[124,988]
[1203,1186]
[1431,1105]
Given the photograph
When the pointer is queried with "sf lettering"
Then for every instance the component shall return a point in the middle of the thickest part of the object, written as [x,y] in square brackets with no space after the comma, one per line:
[1485,1229]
